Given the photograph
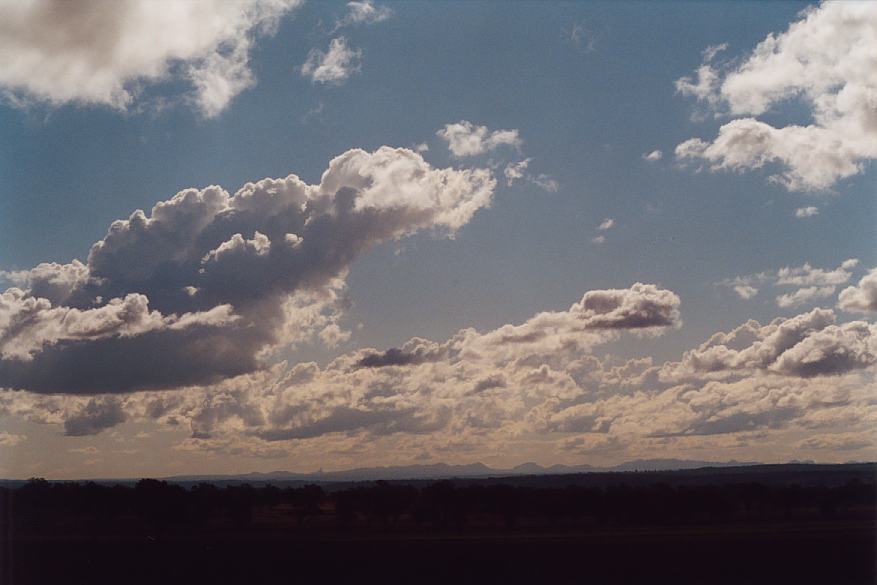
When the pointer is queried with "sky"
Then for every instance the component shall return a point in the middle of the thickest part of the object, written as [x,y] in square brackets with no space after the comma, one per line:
[272,234]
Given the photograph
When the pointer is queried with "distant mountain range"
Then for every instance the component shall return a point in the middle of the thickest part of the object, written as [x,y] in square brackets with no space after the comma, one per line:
[444,470]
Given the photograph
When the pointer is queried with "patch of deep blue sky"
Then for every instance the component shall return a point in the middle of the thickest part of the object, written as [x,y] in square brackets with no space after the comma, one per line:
[586,117]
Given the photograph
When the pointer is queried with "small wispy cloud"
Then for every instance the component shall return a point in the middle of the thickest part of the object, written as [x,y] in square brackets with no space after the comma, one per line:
[803,212]
[333,66]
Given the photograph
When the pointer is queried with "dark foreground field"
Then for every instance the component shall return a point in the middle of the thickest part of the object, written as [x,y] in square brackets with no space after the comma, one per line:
[744,526]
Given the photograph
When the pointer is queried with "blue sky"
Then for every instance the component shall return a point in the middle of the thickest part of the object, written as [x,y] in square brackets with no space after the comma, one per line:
[590,88]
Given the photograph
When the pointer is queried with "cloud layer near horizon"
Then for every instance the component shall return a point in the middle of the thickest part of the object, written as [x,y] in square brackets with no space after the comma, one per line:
[208,283]
[541,382]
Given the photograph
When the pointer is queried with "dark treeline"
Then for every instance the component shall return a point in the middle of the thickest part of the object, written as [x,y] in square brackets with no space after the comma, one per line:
[155,506]
[758,526]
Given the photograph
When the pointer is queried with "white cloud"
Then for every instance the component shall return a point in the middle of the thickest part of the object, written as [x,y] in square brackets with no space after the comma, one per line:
[804,295]
[98,53]
[182,306]
[599,239]
[808,275]
[497,390]
[803,212]
[364,12]
[333,66]
[606,224]
[745,291]
[515,171]
[861,298]
[826,60]
[809,344]
[466,139]
[811,283]
[653,156]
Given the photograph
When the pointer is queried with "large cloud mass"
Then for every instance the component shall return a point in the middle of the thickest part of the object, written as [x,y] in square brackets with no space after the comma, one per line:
[200,288]
[98,52]
[540,385]
[827,59]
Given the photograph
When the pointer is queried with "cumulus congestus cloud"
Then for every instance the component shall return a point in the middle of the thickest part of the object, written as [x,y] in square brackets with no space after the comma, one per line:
[205,284]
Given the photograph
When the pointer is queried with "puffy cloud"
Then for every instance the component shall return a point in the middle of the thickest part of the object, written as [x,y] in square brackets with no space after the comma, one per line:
[535,385]
[606,224]
[333,66]
[807,345]
[808,275]
[473,380]
[653,156]
[642,306]
[861,298]
[95,416]
[168,299]
[364,12]
[28,323]
[101,53]
[466,139]
[824,59]
[745,291]
[809,211]
[811,283]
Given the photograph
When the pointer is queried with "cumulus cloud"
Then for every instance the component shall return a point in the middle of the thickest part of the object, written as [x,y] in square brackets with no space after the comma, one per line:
[807,345]
[467,139]
[472,379]
[861,298]
[653,156]
[810,283]
[168,299]
[333,66]
[809,211]
[95,416]
[480,391]
[364,12]
[98,53]
[826,61]
[745,291]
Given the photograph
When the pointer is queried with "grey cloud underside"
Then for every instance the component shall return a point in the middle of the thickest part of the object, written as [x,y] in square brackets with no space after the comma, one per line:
[98,414]
[212,280]
[543,377]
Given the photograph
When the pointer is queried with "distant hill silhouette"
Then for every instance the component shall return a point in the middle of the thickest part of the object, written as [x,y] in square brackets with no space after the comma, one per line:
[447,471]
